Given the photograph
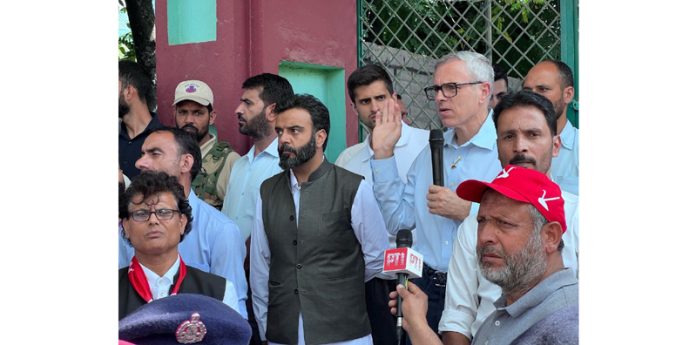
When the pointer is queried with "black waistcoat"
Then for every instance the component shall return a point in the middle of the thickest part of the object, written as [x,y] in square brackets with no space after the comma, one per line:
[196,281]
[317,265]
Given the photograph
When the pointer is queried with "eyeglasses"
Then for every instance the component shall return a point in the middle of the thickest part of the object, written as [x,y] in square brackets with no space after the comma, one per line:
[449,90]
[144,215]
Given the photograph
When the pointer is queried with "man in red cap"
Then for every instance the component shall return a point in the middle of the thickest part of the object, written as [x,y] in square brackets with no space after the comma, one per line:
[521,221]
[526,130]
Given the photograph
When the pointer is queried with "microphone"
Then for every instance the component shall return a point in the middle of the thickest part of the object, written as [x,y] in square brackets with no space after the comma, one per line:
[405,262]
[436,143]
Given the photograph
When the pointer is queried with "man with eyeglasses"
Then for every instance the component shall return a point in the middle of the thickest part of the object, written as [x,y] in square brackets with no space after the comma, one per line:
[462,93]
[156,216]
[215,244]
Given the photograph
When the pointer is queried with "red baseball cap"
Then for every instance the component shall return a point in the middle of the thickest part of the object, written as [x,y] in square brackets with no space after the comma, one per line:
[521,184]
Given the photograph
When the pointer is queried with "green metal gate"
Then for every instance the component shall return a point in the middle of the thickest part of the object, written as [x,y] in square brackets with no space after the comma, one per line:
[408,36]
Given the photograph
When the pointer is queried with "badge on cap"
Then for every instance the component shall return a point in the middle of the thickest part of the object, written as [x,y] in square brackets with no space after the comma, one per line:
[191,331]
[191,88]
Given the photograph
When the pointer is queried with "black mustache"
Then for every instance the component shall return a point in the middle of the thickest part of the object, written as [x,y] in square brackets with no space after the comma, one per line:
[286,148]
[189,125]
[519,159]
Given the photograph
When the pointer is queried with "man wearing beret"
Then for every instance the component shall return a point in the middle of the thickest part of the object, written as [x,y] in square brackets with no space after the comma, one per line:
[156,216]
[521,222]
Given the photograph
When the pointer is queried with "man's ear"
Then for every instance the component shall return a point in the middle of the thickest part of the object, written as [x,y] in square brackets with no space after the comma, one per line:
[486,93]
[321,138]
[213,115]
[556,145]
[270,112]
[568,94]
[186,163]
[551,234]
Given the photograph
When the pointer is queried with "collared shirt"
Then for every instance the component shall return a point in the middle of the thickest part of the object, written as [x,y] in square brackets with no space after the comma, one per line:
[129,149]
[356,159]
[470,298]
[159,286]
[245,181]
[213,245]
[564,167]
[405,205]
[224,175]
[372,236]
[507,323]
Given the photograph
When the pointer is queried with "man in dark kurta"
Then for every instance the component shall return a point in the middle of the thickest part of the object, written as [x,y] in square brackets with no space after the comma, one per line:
[318,236]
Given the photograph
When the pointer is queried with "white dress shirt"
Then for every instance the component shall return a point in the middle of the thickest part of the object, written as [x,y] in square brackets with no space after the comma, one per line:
[159,286]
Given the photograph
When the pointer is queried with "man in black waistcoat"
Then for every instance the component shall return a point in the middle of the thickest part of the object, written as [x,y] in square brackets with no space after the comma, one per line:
[156,216]
[317,237]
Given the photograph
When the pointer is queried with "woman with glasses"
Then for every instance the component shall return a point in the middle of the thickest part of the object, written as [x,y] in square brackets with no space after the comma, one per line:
[155,217]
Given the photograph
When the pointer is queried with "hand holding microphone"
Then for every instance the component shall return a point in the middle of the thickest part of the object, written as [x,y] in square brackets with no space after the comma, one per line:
[405,262]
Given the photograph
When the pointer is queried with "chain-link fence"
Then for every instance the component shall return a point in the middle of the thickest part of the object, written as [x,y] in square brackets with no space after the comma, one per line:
[408,36]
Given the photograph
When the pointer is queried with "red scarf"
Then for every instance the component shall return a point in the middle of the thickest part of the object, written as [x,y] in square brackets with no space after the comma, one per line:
[137,278]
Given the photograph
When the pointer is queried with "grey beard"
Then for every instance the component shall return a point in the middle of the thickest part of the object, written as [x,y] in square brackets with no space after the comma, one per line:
[521,271]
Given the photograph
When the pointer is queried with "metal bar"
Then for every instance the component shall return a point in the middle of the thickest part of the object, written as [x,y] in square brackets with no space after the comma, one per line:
[569,50]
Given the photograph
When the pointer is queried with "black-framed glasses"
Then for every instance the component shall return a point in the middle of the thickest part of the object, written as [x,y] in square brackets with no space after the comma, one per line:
[162,214]
[449,90]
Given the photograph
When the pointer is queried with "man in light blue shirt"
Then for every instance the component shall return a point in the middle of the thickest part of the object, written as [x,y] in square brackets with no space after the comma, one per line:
[369,87]
[256,114]
[214,244]
[462,93]
[553,79]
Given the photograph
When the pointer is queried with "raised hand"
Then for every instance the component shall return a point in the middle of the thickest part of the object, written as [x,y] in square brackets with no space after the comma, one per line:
[387,129]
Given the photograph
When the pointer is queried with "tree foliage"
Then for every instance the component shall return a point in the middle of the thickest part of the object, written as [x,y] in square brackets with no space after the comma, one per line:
[522,31]
[139,44]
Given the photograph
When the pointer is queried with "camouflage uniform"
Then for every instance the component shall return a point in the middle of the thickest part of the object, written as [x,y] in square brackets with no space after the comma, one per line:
[211,182]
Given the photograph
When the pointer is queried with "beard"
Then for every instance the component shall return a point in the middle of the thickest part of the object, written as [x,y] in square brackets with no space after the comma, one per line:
[257,127]
[558,107]
[193,130]
[302,154]
[521,271]
[123,107]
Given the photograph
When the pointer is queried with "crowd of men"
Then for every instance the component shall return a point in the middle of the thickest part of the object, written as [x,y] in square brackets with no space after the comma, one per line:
[293,243]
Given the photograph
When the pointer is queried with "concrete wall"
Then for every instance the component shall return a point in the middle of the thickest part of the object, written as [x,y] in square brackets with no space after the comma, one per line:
[253,37]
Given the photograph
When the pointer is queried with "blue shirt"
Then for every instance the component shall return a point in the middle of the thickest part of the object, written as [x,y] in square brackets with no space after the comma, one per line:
[404,205]
[248,172]
[564,167]
[213,245]
[356,158]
